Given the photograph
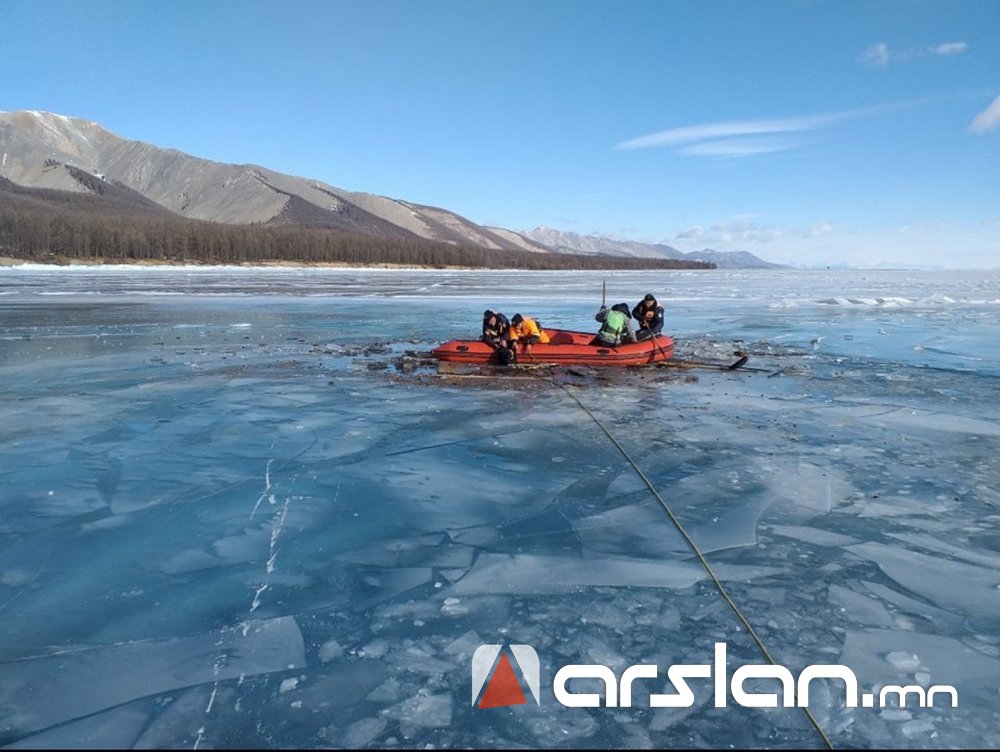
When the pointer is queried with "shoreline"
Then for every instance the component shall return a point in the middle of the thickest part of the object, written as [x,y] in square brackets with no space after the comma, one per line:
[10,262]
[63,262]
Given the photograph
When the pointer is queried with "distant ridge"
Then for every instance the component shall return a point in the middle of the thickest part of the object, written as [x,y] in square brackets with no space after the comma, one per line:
[571,242]
[733,259]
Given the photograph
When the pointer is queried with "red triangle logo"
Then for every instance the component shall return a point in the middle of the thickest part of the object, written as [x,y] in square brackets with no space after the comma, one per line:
[503,689]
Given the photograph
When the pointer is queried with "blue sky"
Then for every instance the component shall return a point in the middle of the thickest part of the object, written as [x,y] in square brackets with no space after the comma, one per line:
[808,132]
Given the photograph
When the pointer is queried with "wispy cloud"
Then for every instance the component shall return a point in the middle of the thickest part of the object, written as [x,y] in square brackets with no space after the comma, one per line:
[988,119]
[949,48]
[879,54]
[743,231]
[691,233]
[738,147]
[819,230]
[745,228]
[743,138]
[738,230]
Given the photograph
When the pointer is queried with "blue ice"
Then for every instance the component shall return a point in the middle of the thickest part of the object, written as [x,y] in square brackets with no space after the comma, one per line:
[228,518]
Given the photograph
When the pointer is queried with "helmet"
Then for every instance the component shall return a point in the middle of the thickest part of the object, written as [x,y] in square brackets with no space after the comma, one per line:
[487,314]
[518,318]
[622,308]
[648,297]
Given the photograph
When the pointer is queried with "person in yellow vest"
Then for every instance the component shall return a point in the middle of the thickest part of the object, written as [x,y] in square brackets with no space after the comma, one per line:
[525,331]
[616,327]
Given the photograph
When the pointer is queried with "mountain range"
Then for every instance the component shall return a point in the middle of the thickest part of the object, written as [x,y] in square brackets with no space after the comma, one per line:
[40,150]
[571,242]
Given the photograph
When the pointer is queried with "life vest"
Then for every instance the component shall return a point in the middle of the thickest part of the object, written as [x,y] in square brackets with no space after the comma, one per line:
[613,326]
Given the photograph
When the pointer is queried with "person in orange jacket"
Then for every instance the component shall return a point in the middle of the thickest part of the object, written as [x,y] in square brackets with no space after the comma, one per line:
[525,331]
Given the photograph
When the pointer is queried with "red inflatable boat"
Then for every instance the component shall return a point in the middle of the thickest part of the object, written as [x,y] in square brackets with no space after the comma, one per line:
[564,348]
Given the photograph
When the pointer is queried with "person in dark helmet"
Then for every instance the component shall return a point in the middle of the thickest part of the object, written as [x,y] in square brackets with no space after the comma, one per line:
[649,313]
[495,329]
[527,332]
[616,326]
[496,334]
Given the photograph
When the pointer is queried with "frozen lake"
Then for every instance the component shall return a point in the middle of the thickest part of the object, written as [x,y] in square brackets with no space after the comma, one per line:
[227,519]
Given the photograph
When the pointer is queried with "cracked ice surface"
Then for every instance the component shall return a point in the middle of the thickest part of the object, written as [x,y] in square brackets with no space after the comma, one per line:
[228,521]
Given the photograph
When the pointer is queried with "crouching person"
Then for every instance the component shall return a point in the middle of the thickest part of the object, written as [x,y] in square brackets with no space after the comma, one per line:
[496,334]
[524,331]
[616,327]
[649,313]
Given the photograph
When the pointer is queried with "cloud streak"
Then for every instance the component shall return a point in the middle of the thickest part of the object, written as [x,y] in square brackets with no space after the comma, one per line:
[727,130]
[743,138]
[879,54]
[988,119]
[731,148]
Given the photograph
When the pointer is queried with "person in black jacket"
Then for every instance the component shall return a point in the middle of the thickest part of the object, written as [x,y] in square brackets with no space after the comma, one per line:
[496,334]
[649,313]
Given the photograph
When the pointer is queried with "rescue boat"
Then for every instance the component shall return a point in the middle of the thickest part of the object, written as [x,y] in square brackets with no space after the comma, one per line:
[563,348]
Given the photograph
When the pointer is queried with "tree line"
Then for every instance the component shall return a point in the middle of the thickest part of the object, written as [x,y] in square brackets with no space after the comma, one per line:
[35,230]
